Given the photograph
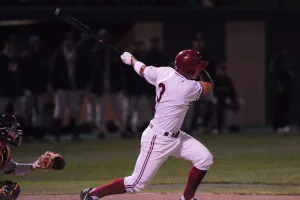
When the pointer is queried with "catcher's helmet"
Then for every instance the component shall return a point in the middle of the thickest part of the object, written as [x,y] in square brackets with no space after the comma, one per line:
[10,131]
[188,61]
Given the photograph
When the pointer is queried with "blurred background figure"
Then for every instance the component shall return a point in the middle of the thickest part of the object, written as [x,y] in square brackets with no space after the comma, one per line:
[206,102]
[35,78]
[156,55]
[136,88]
[226,99]
[97,67]
[67,97]
[117,87]
[208,3]
[284,78]
[11,87]
[88,89]
[83,75]
[281,3]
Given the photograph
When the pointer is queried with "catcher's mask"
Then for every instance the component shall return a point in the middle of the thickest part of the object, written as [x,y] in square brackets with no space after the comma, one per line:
[10,131]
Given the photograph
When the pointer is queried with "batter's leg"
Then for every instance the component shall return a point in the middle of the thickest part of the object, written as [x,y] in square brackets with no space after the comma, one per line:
[152,156]
[192,150]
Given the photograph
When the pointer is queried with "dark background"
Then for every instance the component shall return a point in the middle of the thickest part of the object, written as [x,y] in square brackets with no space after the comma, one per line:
[180,22]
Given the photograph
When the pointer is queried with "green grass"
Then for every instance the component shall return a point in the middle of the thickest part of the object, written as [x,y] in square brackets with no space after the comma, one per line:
[251,158]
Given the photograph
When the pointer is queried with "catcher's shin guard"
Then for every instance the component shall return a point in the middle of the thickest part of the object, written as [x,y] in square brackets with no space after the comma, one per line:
[85,195]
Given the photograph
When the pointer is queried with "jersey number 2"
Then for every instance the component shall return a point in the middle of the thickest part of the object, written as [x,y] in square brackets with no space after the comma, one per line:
[163,89]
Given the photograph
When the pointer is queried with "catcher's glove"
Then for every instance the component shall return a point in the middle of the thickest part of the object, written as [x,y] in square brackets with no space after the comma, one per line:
[50,160]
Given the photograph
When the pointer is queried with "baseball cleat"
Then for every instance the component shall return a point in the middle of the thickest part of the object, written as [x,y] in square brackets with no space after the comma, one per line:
[85,195]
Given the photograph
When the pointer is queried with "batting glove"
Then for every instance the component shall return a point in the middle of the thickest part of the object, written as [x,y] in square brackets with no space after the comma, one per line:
[36,165]
[126,57]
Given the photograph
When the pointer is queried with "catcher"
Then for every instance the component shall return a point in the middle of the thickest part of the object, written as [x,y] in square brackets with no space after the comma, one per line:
[11,134]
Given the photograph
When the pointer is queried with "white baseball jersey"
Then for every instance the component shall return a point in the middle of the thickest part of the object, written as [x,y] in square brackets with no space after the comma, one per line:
[174,94]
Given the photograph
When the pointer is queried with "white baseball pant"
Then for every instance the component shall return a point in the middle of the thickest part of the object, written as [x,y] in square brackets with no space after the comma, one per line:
[156,148]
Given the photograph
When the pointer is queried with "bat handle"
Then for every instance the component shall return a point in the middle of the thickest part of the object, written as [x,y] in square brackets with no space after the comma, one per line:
[116,50]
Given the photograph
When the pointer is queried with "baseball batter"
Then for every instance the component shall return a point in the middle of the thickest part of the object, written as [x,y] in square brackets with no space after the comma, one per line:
[176,89]
[11,134]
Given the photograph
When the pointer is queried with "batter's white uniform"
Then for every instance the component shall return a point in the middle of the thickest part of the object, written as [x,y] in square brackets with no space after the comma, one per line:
[163,138]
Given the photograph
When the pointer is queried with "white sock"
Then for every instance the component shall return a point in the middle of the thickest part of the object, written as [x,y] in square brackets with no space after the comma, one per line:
[92,190]
[94,197]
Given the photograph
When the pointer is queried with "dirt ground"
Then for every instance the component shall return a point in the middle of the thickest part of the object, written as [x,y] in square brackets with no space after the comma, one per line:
[173,196]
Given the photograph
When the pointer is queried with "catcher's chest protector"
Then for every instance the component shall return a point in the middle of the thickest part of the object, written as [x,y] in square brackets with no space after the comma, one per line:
[4,156]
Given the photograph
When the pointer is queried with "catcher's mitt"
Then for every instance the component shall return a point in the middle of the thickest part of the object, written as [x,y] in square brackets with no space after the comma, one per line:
[51,160]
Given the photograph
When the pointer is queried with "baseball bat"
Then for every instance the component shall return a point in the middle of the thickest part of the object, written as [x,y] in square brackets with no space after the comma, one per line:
[82,28]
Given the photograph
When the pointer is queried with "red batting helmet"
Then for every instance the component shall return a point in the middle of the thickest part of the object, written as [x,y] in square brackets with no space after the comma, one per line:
[188,61]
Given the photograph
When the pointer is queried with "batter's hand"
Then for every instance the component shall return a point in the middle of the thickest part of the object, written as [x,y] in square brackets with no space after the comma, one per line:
[127,58]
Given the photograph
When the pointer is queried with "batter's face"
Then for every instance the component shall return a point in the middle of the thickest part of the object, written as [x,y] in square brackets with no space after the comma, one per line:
[196,74]
[193,75]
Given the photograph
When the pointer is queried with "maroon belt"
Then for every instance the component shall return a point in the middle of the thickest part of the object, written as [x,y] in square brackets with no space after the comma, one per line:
[174,135]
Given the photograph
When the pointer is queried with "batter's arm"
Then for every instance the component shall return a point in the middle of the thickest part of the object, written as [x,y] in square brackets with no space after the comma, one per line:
[140,66]
[206,82]
[150,74]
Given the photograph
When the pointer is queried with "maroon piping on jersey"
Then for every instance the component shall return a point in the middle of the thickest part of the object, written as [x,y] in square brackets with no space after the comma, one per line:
[144,165]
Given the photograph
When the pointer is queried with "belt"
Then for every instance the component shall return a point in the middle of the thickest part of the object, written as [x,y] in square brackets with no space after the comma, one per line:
[168,134]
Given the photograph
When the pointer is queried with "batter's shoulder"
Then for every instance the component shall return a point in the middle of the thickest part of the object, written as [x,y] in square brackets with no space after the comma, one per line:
[164,73]
[5,153]
[165,70]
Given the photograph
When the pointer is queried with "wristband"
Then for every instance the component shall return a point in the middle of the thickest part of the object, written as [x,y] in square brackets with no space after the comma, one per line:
[138,66]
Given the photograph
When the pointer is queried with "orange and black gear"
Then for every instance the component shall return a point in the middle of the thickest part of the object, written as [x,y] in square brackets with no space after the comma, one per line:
[9,190]
[4,156]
